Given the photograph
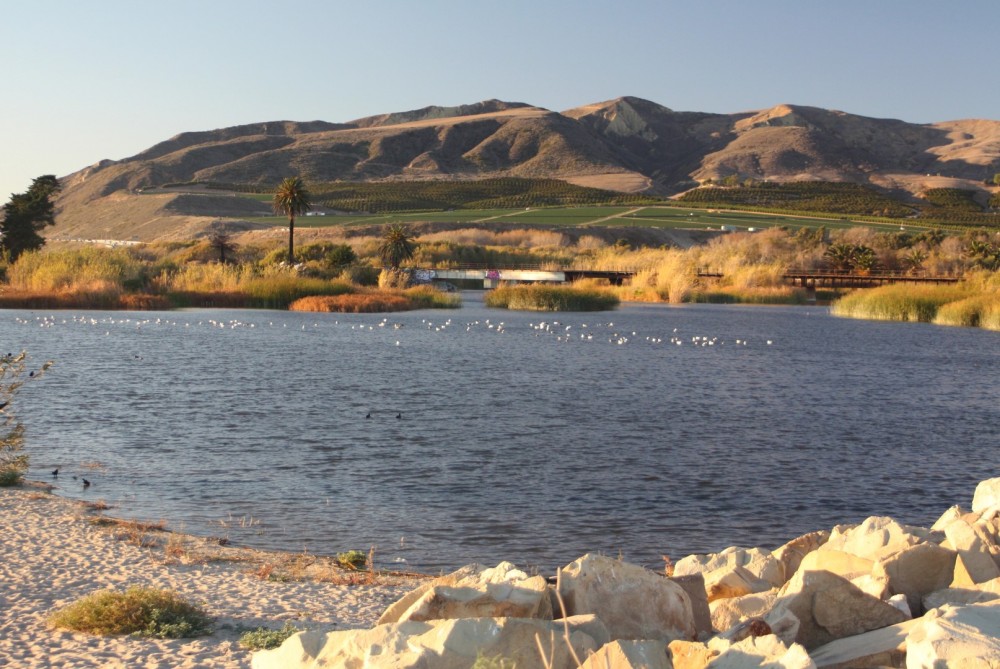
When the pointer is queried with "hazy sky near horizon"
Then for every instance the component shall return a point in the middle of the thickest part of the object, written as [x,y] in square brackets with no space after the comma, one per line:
[84,81]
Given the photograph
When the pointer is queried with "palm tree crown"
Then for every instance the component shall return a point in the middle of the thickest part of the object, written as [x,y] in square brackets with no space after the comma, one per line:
[291,198]
[396,246]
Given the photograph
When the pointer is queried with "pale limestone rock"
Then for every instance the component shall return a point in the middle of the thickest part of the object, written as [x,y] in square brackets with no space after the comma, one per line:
[967,637]
[761,651]
[884,647]
[589,624]
[790,555]
[396,609]
[830,607]
[729,612]
[758,561]
[976,559]
[729,582]
[689,654]
[948,517]
[524,599]
[475,592]
[987,495]
[633,603]
[870,585]
[916,571]
[874,537]
[901,603]
[629,655]
[441,644]
[971,594]
[841,563]
[694,586]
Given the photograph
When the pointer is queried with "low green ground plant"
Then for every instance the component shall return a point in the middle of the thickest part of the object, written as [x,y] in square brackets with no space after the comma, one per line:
[352,559]
[264,638]
[146,612]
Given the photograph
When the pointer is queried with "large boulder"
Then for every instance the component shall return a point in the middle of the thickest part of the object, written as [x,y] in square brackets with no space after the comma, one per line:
[874,537]
[884,647]
[757,561]
[916,571]
[729,582]
[629,655]
[790,555]
[970,594]
[526,599]
[633,602]
[987,496]
[395,610]
[472,592]
[753,651]
[974,551]
[694,586]
[441,644]
[728,612]
[965,636]
[830,607]
[841,563]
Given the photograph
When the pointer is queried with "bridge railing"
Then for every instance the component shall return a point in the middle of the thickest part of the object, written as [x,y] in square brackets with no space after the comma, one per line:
[848,273]
[537,267]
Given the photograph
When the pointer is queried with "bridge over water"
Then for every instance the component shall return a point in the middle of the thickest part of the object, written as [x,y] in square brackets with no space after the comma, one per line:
[810,279]
[492,276]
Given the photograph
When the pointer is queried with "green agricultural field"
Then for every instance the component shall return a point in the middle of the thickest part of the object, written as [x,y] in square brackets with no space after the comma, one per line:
[658,216]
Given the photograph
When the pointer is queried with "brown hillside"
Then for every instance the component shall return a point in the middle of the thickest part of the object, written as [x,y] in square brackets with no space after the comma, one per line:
[628,144]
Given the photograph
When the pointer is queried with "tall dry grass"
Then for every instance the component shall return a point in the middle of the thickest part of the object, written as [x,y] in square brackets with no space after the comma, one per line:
[899,302]
[540,297]
[87,269]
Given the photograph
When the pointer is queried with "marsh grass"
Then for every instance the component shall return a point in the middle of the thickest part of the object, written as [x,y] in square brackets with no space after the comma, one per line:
[146,612]
[378,301]
[898,302]
[762,295]
[111,299]
[538,297]
[981,310]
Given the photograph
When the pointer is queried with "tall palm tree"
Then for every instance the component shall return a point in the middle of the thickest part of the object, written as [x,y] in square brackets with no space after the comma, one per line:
[396,246]
[291,199]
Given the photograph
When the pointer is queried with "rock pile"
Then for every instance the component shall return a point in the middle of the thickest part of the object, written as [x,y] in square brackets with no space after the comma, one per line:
[870,595]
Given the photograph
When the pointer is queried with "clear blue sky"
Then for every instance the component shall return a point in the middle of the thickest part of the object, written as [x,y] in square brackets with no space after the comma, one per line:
[83,81]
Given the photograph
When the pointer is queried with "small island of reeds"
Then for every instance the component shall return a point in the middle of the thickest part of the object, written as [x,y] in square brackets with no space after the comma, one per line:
[539,297]
[973,302]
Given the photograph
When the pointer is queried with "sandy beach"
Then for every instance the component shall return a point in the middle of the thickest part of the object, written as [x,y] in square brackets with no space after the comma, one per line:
[54,551]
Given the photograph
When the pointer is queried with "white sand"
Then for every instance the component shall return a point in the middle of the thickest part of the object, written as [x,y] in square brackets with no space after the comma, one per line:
[51,554]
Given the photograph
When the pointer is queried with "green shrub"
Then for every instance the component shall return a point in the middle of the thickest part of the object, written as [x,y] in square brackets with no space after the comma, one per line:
[352,559]
[263,638]
[138,611]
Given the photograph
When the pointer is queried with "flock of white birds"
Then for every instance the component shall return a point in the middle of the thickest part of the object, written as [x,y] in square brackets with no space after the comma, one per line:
[598,331]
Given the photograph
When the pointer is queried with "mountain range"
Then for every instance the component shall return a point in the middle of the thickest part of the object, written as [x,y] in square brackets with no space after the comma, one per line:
[627,144]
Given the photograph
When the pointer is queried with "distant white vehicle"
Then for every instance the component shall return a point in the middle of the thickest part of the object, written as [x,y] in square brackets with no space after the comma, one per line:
[315,213]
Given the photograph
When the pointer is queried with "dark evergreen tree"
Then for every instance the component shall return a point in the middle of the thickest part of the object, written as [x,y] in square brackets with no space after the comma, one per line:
[26,214]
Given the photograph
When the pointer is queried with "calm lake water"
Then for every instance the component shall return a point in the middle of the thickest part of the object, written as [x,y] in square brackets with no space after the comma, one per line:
[517,440]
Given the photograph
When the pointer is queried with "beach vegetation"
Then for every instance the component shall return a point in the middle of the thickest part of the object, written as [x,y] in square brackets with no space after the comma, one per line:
[540,297]
[291,199]
[353,559]
[139,611]
[264,638]
[493,662]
